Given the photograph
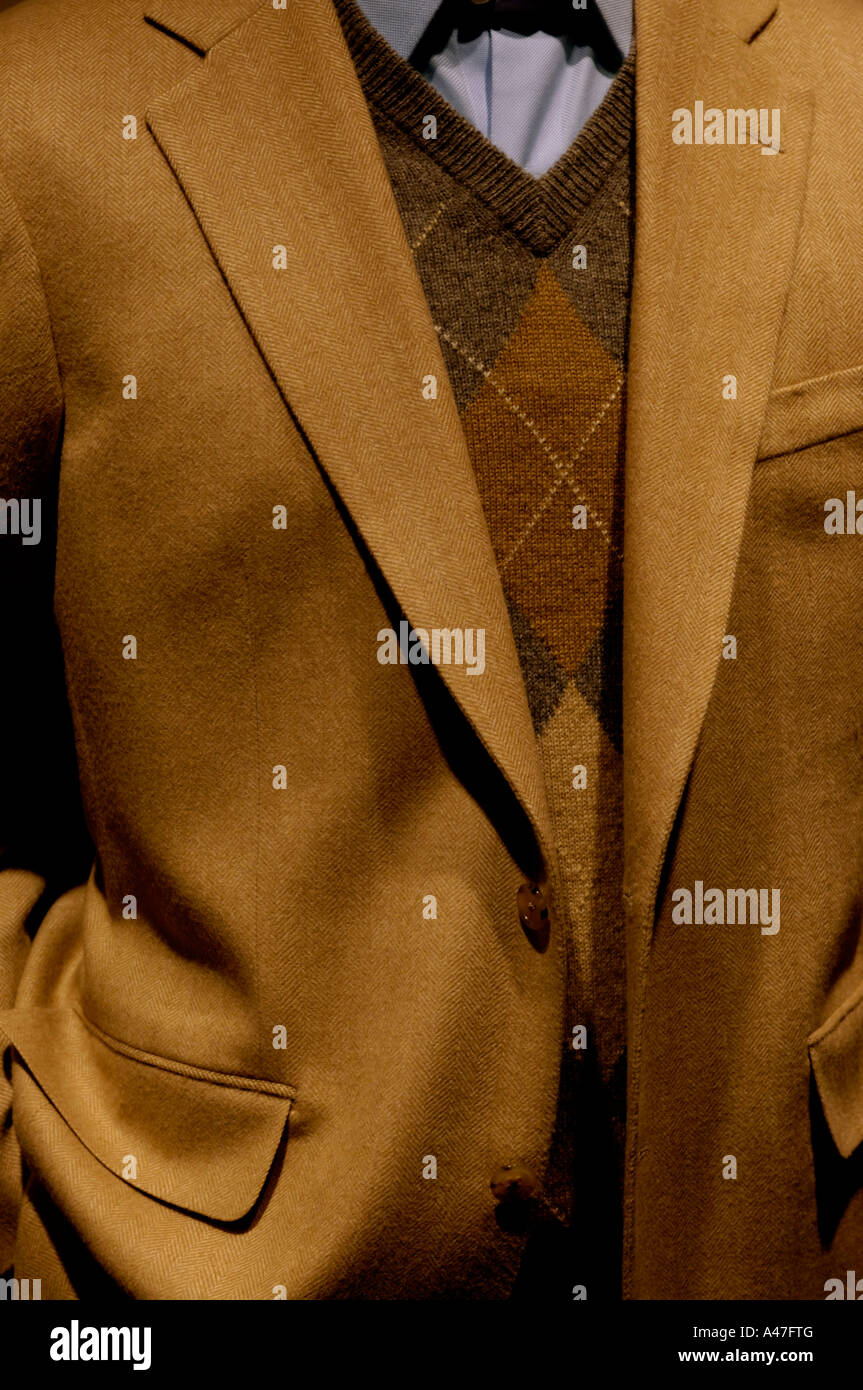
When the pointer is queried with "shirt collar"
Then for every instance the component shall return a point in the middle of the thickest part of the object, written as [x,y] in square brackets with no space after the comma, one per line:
[403,22]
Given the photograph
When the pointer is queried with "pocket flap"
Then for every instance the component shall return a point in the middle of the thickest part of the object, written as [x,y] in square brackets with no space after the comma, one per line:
[836,1054]
[201,1140]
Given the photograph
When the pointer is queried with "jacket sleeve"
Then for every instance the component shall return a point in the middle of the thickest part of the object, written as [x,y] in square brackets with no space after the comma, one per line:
[44,848]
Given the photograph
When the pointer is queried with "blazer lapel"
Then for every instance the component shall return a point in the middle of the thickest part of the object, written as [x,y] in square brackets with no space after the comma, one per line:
[272,142]
[715,230]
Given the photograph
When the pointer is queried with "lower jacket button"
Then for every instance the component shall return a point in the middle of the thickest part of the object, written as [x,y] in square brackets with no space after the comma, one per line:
[513,1182]
[532,903]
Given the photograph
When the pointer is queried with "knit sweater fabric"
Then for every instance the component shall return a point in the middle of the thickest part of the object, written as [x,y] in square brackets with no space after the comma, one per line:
[528,284]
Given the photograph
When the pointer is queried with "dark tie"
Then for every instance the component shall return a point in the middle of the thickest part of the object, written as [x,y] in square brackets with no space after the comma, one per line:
[583,26]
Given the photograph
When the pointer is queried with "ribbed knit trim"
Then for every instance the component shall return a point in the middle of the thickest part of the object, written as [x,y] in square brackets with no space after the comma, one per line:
[539,211]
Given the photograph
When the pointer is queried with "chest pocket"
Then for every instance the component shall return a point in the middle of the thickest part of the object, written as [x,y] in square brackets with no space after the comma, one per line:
[809,412]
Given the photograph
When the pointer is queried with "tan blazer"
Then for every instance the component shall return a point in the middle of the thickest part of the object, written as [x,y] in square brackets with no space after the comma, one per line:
[295,985]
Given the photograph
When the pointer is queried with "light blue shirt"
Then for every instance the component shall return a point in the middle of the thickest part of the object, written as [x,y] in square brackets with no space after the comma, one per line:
[529,94]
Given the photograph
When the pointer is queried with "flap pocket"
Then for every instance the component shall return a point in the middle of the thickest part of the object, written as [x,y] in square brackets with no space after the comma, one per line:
[836,1054]
[808,412]
[201,1140]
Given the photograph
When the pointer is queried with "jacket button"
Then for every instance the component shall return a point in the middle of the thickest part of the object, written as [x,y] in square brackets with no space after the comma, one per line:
[532,903]
[512,1182]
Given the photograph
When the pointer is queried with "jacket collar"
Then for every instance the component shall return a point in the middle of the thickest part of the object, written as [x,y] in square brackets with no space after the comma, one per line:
[202,23]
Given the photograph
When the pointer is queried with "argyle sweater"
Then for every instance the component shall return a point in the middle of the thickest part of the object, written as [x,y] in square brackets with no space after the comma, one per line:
[528,283]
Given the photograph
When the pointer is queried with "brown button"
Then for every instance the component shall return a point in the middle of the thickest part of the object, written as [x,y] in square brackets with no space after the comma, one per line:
[513,1182]
[532,903]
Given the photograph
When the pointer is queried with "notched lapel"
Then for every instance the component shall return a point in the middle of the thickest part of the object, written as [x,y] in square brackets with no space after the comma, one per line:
[273,145]
[198,25]
[715,233]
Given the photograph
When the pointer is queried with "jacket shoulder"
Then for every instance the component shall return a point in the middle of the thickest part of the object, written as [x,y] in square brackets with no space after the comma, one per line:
[824,29]
[70,70]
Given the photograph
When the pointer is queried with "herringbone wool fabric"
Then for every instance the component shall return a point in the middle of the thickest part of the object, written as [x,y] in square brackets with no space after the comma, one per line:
[531,304]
